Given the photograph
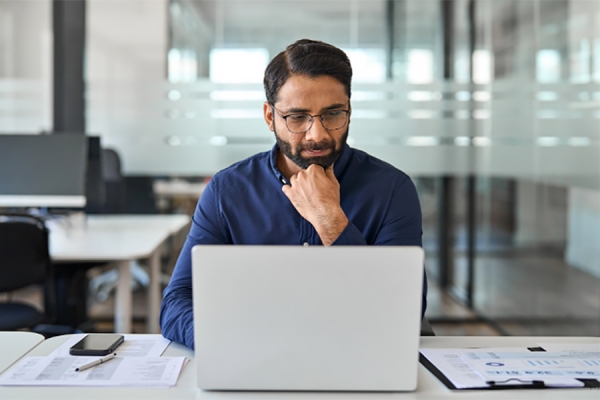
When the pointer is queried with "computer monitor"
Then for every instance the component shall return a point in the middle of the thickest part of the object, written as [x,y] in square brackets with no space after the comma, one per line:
[43,170]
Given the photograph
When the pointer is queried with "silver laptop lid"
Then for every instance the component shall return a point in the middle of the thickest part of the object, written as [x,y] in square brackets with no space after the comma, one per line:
[307,318]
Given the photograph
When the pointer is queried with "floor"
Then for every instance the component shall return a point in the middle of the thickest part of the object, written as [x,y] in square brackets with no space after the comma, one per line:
[519,293]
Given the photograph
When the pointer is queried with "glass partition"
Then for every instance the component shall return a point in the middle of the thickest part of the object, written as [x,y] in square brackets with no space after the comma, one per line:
[501,98]
[175,87]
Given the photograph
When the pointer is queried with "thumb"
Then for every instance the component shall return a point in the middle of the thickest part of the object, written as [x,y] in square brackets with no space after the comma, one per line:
[286,189]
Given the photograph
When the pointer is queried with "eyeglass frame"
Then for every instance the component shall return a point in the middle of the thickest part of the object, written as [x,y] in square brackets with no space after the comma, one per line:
[312,119]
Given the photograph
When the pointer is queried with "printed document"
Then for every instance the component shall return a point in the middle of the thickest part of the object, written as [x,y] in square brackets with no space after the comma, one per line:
[559,368]
[120,371]
[454,368]
[473,368]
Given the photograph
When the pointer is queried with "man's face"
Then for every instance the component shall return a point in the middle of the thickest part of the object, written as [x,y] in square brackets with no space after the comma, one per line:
[304,95]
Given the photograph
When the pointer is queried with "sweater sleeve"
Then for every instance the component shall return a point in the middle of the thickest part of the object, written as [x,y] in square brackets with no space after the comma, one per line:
[176,312]
[402,225]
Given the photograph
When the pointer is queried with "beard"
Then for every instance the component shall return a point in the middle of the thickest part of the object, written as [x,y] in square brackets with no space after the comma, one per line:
[305,162]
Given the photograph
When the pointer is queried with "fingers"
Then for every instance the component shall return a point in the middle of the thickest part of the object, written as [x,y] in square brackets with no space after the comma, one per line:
[314,168]
[312,171]
[287,188]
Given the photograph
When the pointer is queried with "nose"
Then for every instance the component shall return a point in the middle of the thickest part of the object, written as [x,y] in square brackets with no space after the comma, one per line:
[317,133]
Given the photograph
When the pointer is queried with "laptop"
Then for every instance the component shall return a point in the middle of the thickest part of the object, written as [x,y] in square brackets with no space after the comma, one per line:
[307,318]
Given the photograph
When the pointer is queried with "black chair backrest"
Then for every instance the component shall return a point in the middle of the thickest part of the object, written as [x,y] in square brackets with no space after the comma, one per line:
[113,183]
[24,253]
[140,197]
[111,166]
[95,191]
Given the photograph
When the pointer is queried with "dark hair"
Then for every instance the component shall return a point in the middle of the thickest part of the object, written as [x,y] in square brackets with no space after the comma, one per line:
[307,57]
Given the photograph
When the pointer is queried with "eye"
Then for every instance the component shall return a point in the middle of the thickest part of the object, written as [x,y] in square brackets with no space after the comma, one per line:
[297,117]
[334,113]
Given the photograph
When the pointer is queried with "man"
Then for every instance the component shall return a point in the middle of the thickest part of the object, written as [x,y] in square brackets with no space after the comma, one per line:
[310,189]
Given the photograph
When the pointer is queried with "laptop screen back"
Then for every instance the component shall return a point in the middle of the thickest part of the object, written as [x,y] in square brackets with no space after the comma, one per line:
[307,318]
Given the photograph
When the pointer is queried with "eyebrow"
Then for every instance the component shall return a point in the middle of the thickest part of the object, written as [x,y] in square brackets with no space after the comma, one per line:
[306,110]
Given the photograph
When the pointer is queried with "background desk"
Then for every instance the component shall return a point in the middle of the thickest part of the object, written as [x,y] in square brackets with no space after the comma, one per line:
[119,239]
[428,388]
[178,195]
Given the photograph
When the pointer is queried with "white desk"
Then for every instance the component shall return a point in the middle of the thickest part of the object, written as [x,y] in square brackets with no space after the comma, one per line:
[179,194]
[14,344]
[428,388]
[119,239]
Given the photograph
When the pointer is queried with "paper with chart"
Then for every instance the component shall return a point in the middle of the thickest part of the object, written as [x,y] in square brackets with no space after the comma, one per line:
[473,368]
[556,368]
[120,371]
[135,345]
[454,368]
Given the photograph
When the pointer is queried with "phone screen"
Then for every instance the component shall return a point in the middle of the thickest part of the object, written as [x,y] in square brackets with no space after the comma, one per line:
[104,343]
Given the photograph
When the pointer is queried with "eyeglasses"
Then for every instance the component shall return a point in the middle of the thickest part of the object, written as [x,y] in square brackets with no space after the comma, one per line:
[301,123]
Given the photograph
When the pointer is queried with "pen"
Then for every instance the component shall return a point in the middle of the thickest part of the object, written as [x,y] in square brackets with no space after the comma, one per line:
[99,361]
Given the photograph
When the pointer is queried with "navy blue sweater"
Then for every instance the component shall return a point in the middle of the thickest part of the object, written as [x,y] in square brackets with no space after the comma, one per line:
[244,204]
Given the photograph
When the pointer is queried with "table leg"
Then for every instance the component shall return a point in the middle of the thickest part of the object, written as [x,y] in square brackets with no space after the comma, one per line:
[154,296]
[123,301]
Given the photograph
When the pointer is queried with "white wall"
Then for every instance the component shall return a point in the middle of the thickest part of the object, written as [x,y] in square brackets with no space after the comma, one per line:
[126,40]
[25,39]
[126,46]
[25,66]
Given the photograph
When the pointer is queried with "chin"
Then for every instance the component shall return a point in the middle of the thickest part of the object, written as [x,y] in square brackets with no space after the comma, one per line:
[322,162]
[325,161]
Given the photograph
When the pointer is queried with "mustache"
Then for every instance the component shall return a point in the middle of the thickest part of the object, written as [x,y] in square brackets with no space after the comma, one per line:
[312,146]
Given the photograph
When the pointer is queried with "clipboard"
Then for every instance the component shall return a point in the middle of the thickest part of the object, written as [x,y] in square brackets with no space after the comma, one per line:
[507,384]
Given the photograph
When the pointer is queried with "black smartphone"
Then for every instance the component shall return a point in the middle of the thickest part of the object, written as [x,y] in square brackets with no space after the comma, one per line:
[96,345]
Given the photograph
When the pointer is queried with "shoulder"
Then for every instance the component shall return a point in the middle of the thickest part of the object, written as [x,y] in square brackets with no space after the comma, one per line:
[246,171]
[371,168]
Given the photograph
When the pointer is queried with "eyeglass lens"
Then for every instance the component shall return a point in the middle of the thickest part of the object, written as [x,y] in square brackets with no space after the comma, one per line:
[331,120]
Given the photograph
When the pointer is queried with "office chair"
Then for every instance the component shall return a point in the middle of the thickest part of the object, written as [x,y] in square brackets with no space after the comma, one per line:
[133,195]
[95,191]
[140,198]
[24,261]
[114,184]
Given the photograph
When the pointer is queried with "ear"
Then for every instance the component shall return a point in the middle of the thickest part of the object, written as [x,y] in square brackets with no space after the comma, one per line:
[349,114]
[268,114]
